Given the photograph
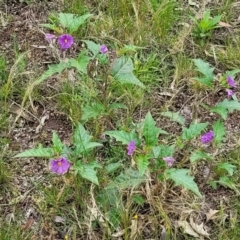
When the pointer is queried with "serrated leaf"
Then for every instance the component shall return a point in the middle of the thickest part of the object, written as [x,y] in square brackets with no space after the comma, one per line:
[37,152]
[231,105]
[52,69]
[226,182]
[142,163]
[114,106]
[129,179]
[80,63]
[122,71]
[193,131]
[204,68]
[71,22]
[222,111]
[51,26]
[93,111]
[82,140]
[57,143]
[199,155]
[88,171]
[228,167]
[181,177]
[162,151]
[93,47]
[204,80]
[123,136]
[219,131]
[174,116]
[150,131]
[113,167]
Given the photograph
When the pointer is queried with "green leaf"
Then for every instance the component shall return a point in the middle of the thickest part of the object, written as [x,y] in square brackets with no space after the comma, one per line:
[123,136]
[37,152]
[199,155]
[226,182]
[88,171]
[93,111]
[219,131]
[52,27]
[114,106]
[71,22]
[112,167]
[205,81]
[222,111]
[231,105]
[181,177]
[129,179]
[174,116]
[228,167]
[52,69]
[82,140]
[93,47]
[150,131]
[206,70]
[142,163]
[122,71]
[81,62]
[57,143]
[193,131]
[162,151]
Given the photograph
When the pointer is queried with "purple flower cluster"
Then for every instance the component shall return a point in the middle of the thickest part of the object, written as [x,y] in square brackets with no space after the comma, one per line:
[59,166]
[231,83]
[207,137]
[169,161]
[131,148]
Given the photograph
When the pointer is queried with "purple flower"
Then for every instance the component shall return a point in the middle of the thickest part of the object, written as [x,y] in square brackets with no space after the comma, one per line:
[59,166]
[49,37]
[207,137]
[103,49]
[65,41]
[169,161]
[229,92]
[131,148]
[230,81]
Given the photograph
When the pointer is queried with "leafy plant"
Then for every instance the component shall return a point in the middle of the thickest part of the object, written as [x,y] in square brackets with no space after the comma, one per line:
[204,27]
[79,154]
[66,22]
[207,72]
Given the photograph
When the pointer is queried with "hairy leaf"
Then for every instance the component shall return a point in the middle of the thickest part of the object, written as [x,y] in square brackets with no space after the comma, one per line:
[88,171]
[199,155]
[174,116]
[37,152]
[82,140]
[219,131]
[150,131]
[129,179]
[181,177]
[123,136]
[93,111]
[57,143]
[122,71]
[193,131]
[71,22]
[142,163]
